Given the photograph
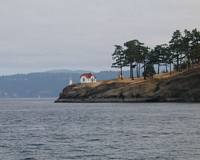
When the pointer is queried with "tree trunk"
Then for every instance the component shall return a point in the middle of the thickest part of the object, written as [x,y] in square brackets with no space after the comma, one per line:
[131,71]
[191,62]
[180,64]
[158,68]
[121,73]
[144,71]
[170,68]
[177,64]
[166,67]
[139,70]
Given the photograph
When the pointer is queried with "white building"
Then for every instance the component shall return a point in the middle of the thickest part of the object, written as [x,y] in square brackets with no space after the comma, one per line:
[88,78]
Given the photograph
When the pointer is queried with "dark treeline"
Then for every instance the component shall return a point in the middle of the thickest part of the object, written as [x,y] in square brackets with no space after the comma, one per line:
[182,51]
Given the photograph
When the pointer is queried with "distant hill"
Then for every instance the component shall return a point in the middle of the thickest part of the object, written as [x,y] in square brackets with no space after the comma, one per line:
[44,84]
[67,71]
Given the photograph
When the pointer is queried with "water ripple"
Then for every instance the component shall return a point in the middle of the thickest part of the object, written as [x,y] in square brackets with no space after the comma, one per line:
[48,131]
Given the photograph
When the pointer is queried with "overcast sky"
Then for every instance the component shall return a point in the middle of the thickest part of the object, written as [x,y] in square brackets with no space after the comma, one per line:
[38,35]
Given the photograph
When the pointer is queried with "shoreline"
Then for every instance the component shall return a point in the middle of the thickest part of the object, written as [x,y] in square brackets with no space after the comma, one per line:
[183,87]
[132,100]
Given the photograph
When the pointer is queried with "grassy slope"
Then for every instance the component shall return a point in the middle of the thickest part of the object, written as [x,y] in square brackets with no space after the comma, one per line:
[183,86]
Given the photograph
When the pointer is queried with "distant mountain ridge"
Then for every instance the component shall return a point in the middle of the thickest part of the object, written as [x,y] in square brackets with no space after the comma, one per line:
[67,71]
[44,84]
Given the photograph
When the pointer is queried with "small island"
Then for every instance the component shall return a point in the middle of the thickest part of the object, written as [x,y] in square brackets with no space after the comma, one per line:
[179,82]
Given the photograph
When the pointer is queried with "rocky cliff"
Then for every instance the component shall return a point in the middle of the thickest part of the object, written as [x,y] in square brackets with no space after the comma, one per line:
[178,87]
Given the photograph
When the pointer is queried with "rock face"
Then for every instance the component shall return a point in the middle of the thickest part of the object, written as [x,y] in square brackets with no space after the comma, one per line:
[181,87]
[184,87]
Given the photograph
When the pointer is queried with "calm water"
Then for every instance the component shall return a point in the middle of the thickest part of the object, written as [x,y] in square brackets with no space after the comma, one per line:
[42,130]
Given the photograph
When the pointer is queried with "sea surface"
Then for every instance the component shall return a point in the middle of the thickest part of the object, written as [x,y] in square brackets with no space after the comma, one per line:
[41,130]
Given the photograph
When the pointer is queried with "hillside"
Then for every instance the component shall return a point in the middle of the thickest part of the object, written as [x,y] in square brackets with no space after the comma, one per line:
[43,84]
[179,87]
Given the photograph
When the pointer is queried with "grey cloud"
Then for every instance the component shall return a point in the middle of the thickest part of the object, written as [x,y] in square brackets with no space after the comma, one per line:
[43,34]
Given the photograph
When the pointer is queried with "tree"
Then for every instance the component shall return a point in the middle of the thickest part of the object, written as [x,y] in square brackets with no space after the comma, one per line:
[119,59]
[145,57]
[183,50]
[159,56]
[195,54]
[142,59]
[176,45]
[149,71]
[155,59]
[195,37]
[165,55]
[187,47]
[169,59]
[133,54]
[191,41]
[195,49]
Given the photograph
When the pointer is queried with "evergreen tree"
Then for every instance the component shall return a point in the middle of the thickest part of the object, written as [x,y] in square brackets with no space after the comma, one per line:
[133,53]
[145,57]
[183,49]
[195,54]
[149,71]
[187,47]
[195,49]
[119,59]
[169,58]
[176,45]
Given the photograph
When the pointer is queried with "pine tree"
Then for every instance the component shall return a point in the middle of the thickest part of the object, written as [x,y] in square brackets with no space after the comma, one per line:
[134,53]
[119,59]
[149,71]
[176,45]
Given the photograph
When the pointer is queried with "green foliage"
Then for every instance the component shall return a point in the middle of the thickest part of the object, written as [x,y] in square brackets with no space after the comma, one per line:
[149,71]
[184,47]
[119,59]
[134,51]
[195,48]
[195,53]
[134,54]
[160,54]
[182,51]
[176,47]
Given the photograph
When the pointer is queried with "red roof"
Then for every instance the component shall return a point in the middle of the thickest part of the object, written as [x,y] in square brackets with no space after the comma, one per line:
[88,75]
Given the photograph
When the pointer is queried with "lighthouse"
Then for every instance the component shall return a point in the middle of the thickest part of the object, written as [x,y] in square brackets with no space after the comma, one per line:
[70,82]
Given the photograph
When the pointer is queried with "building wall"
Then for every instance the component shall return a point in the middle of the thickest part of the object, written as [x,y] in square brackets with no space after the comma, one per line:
[88,80]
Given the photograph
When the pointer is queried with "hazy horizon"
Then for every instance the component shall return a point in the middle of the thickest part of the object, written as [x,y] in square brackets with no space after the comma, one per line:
[57,70]
[41,35]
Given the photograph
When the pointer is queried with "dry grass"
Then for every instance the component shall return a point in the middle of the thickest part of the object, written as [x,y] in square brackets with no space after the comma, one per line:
[178,85]
[137,80]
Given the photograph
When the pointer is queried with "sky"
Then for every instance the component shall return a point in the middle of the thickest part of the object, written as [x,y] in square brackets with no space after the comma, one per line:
[39,35]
